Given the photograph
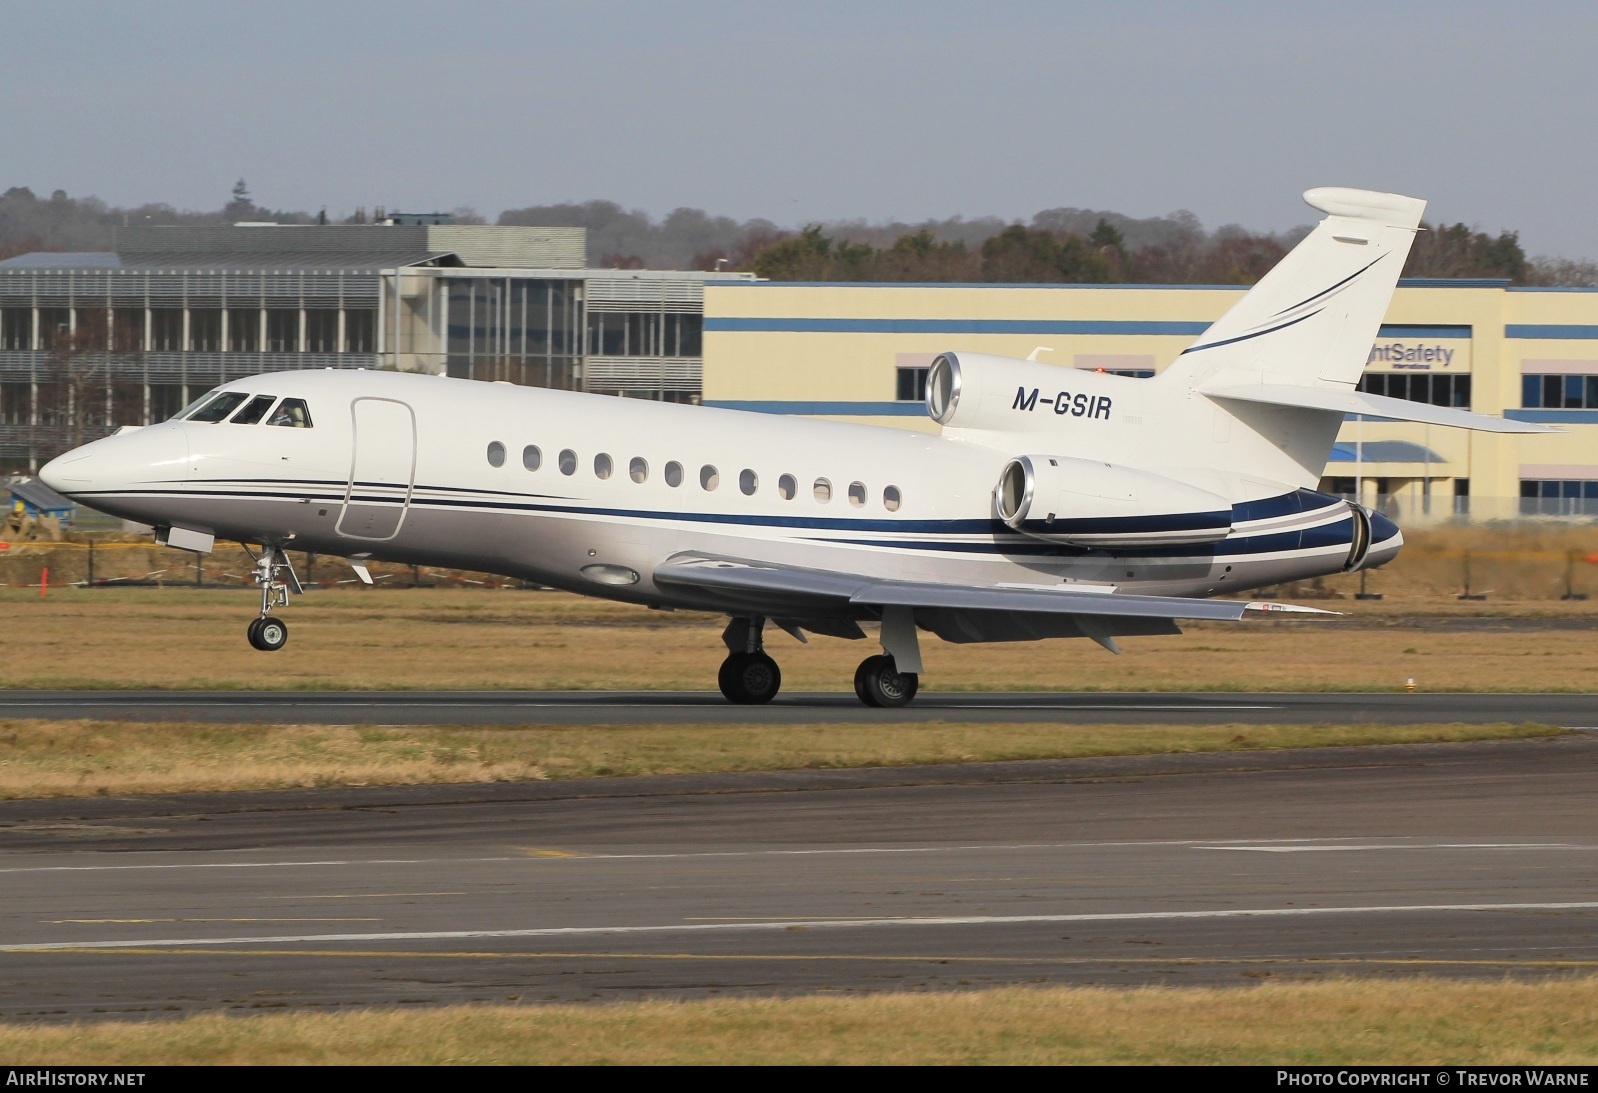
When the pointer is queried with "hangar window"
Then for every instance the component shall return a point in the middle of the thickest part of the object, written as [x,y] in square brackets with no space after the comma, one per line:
[291,413]
[255,410]
[1559,392]
[912,385]
[674,474]
[532,458]
[219,407]
[709,477]
[787,487]
[1558,497]
[857,494]
[890,498]
[568,461]
[496,454]
[822,491]
[748,482]
[602,466]
[1438,390]
[638,469]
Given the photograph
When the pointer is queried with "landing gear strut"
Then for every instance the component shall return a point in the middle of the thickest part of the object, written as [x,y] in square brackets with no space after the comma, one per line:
[748,676]
[878,682]
[266,633]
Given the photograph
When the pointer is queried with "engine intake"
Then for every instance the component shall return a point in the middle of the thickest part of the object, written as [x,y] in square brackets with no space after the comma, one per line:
[1083,502]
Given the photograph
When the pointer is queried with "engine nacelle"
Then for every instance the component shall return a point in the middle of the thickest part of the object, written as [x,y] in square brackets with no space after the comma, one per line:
[1084,502]
[982,391]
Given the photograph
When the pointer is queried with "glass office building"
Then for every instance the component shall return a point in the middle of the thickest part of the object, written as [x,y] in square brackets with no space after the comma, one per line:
[92,342]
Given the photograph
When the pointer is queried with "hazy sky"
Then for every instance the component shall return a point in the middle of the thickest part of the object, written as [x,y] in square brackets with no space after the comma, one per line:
[816,109]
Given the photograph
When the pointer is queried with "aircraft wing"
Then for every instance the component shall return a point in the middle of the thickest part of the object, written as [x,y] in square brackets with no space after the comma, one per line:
[822,600]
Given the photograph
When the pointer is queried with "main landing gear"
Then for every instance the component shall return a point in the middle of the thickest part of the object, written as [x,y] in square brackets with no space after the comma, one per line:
[267,633]
[749,677]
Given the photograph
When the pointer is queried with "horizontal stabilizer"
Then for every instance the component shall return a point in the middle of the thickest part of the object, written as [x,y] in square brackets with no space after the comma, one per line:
[1358,402]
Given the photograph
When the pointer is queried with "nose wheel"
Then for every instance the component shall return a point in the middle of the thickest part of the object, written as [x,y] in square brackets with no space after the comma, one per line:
[269,634]
[275,576]
[878,682]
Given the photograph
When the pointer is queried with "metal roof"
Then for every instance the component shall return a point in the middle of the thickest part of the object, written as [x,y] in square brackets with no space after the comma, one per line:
[40,259]
[35,494]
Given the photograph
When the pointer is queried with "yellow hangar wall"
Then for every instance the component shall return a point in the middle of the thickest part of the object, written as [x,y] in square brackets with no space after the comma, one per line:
[839,350]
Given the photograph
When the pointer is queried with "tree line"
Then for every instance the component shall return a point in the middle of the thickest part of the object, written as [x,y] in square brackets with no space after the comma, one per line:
[1057,245]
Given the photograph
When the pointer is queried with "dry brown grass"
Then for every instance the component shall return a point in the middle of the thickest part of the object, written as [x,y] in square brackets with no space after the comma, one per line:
[88,758]
[478,638]
[1413,1022]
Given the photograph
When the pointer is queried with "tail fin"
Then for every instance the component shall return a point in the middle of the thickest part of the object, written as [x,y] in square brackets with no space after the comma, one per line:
[1311,320]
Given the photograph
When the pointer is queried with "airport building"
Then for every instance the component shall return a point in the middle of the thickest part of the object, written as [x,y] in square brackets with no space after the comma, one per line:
[860,352]
[91,342]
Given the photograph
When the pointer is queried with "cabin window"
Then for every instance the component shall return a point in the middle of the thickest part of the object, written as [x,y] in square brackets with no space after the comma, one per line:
[602,466]
[219,407]
[291,413]
[638,470]
[532,458]
[674,474]
[787,487]
[857,494]
[749,482]
[496,454]
[822,491]
[891,499]
[568,461]
[709,477]
[254,410]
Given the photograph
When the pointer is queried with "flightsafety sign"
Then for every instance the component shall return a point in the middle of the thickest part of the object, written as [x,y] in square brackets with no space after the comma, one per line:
[1420,355]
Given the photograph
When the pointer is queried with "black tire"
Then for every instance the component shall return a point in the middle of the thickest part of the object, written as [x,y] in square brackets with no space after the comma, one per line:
[254,633]
[862,688]
[271,634]
[879,682]
[749,679]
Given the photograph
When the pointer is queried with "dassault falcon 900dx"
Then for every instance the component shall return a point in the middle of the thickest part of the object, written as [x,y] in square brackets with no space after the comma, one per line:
[1053,502]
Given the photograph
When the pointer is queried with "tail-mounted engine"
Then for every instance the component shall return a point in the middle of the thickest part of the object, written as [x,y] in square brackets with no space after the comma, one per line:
[982,391]
[1083,502]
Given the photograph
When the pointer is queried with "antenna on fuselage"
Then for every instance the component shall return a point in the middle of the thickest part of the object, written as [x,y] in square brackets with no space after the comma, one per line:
[1032,356]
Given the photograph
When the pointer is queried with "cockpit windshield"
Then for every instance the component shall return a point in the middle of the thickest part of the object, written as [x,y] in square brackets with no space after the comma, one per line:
[291,412]
[254,410]
[193,406]
[220,407]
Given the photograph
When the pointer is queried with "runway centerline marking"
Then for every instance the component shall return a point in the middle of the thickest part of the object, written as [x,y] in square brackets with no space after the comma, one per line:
[793,924]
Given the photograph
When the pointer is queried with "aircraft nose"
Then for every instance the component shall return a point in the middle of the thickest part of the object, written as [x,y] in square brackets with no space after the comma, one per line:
[154,454]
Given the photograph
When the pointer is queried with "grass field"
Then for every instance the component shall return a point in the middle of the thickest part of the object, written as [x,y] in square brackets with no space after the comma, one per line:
[86,758]
[1410,1022]
[480,638]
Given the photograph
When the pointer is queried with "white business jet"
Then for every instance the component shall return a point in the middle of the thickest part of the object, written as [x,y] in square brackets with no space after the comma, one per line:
[1053,503]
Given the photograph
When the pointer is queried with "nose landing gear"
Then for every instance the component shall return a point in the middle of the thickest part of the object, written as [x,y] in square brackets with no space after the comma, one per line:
[748,676]
[266,633]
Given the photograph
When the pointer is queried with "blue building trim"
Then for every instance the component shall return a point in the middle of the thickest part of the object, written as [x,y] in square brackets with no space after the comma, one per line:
[1553,331]
[797,325]
[853,409]
[1410,330]
[1554,417]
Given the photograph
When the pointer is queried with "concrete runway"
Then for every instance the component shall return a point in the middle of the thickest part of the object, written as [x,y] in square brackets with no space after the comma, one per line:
[691,707]
[1464,859]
